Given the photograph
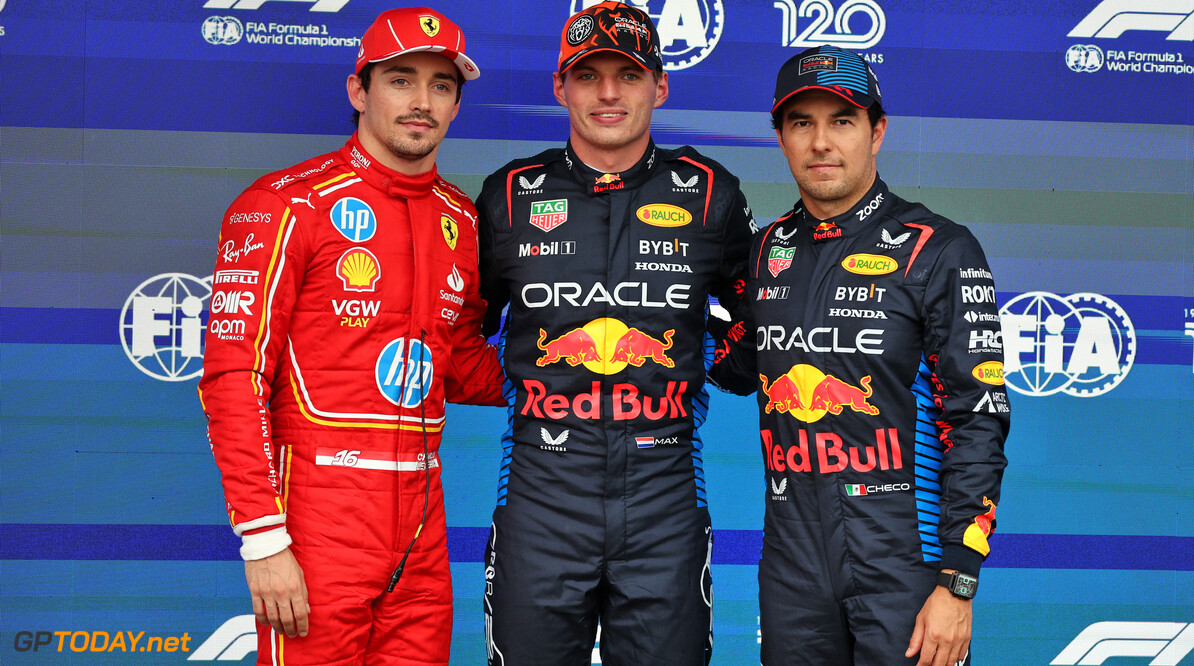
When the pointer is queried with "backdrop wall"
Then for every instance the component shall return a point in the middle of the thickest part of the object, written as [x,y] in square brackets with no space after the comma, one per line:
[1061,133]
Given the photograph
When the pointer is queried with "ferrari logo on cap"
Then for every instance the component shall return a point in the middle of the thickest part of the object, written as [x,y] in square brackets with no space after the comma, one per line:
[429,24]
[451,231]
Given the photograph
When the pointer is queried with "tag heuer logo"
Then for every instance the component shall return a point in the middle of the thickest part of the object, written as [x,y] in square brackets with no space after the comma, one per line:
[548,215]
[780,259]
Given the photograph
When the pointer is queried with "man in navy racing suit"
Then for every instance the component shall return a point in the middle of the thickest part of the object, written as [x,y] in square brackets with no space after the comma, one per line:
[606,251]
[873,341]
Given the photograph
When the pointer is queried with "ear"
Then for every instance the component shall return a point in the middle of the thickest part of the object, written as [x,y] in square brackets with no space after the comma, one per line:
[356,93]
[660,90]
[557,81]
[877,133]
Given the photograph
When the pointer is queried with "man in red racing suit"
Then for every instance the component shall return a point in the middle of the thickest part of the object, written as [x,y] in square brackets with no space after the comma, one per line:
[345,311]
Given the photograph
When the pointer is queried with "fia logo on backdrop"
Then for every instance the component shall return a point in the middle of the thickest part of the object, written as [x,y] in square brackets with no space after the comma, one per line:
[162,326]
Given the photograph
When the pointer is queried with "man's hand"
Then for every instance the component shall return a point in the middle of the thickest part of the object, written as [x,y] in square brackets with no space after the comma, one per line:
[942,634]
[279,593]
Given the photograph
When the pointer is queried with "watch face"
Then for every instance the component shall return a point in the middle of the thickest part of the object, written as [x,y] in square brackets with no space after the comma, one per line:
[966,586]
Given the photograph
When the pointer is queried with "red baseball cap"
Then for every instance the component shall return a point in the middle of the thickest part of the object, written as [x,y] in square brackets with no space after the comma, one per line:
[413,29]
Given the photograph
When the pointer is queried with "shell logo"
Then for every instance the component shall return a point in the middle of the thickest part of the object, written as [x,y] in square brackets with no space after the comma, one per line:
[870,264]
[663,215]
[358,270]
[990,372]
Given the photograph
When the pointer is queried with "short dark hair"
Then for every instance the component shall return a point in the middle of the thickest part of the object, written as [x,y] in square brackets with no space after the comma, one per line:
[873,113]
[366,77]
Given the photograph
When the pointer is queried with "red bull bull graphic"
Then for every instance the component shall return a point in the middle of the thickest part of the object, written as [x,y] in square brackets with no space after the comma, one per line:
[807,394]
[574,347]
[977,532]
[830,454]
[605,346]
[636,347]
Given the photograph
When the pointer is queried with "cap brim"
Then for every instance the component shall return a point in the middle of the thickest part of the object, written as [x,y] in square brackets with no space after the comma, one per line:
[867,100]
[577,57]
[468,68]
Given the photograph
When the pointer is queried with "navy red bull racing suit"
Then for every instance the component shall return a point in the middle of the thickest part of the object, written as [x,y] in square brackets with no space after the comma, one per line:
[344,311]
[873,341]
[601,504]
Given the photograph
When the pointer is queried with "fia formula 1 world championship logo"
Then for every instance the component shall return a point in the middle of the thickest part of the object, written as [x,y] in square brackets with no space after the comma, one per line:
[688,29]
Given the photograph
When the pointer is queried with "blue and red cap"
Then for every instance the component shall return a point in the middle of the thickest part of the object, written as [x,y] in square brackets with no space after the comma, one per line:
[836,70]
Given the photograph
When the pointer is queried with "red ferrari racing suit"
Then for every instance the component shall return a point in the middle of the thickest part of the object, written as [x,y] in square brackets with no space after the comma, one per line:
[344,312]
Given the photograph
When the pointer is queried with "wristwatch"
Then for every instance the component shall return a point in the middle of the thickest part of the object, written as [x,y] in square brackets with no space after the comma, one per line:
[962,586]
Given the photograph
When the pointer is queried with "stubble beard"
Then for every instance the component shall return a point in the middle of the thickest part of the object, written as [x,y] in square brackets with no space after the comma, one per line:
[409,148]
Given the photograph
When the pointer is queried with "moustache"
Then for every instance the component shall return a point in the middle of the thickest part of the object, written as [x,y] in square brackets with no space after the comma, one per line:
[422,117]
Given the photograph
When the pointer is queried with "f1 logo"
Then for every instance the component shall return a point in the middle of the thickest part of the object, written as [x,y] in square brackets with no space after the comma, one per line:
[1113,18]
[330,6]
[1167,642]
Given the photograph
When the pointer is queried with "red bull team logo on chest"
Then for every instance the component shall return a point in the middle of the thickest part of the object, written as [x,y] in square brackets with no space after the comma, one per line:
[807,394]
[605,346]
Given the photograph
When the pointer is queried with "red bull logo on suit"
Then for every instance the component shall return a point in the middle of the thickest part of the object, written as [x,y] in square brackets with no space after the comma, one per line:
[605,346]
[807,394]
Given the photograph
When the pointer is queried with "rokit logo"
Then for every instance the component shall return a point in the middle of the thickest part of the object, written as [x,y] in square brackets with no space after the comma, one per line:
[162,326]
[688,29]
[832,26]
[1167,642]
[1081,345]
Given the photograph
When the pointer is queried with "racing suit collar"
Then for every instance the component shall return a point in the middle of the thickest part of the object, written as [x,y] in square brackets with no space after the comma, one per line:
[868,209]
[602,181]
[384,178]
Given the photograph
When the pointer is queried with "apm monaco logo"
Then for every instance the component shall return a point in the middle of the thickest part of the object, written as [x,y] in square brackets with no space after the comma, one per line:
[689,30]
[1081,345]
[162,326]
[832,26]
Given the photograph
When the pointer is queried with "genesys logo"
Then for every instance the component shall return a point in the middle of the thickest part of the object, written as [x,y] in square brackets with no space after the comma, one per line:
[688,29]
[1111,19]
[162,325]
[1168,643]
[1081,345]
[817,22]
